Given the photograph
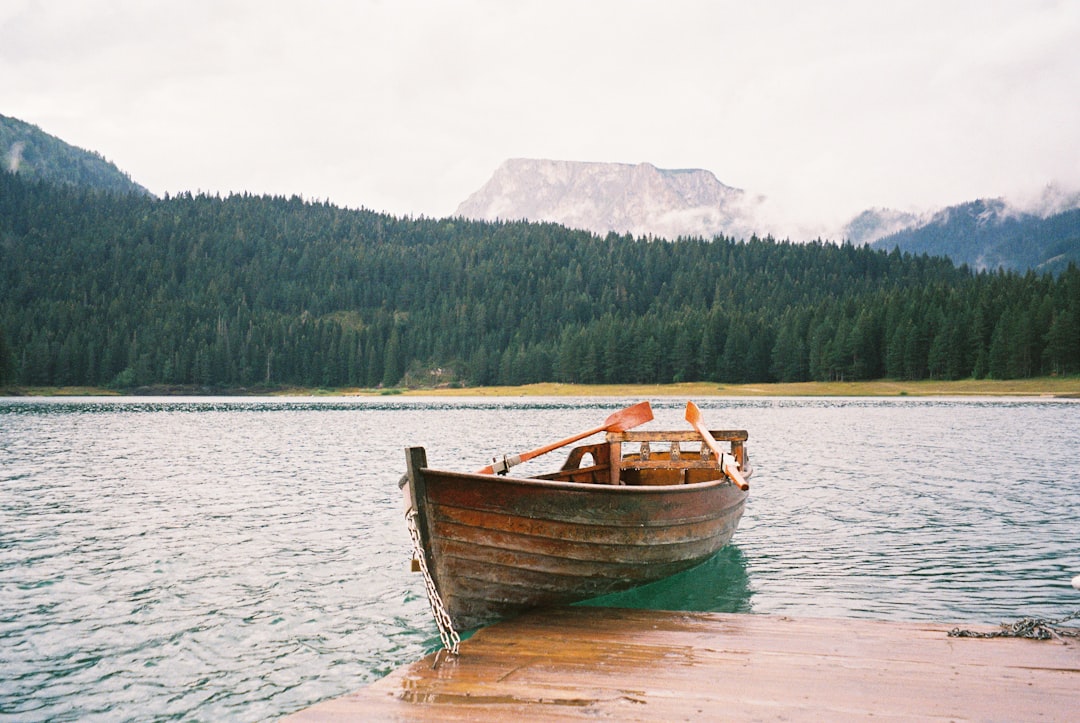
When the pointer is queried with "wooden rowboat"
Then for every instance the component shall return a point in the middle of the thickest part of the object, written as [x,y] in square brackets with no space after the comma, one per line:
[610,519]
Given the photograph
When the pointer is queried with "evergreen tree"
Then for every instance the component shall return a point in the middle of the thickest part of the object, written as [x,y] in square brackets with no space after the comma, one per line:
[6,363]
[223,292]
[1062,353]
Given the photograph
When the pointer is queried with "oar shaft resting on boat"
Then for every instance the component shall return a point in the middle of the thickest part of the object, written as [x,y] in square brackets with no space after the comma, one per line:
[620,421]
[728,464]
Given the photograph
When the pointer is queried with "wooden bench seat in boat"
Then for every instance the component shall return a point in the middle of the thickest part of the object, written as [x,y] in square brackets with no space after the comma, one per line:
[649,458]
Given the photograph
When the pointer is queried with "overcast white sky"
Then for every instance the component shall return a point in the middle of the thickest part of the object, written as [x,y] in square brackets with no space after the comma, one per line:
[825,107]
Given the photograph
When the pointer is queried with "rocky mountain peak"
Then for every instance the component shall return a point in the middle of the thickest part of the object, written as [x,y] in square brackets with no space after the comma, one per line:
[639,199]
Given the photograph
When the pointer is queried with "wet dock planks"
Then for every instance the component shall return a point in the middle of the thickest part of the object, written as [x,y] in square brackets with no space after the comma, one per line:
[594,663]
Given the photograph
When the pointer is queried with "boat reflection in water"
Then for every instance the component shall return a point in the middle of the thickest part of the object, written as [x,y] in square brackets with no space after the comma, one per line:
[718,585]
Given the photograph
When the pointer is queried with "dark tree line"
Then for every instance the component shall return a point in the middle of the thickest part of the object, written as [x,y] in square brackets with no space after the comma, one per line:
[102,289]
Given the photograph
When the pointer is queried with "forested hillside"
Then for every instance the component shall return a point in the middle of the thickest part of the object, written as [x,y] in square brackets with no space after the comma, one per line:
[36,155]
[129,290]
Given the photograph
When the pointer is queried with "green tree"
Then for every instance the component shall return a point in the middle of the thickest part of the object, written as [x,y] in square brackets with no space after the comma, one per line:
[1062,355]
[6,361]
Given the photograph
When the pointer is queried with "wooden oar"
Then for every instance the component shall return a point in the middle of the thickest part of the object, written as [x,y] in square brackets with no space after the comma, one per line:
[728,465]
[620,421]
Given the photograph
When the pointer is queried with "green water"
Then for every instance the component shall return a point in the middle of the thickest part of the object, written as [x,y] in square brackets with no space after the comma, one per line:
[209,559]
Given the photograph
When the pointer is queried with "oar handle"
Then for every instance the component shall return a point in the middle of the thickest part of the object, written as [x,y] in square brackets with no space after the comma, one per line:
[730,466]
[499,466]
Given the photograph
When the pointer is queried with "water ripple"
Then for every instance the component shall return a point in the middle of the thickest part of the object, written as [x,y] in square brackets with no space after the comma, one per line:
[200,559]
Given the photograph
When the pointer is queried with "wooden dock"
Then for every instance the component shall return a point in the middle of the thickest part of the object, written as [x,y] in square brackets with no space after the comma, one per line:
[594,663]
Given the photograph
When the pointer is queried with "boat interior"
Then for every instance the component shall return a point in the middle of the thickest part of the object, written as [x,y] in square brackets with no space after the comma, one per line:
[651,458]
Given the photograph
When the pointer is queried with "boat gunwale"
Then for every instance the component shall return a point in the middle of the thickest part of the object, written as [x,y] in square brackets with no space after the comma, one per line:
[586,486]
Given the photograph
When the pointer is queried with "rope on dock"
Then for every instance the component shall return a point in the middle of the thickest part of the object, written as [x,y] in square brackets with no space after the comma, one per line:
[1034,628]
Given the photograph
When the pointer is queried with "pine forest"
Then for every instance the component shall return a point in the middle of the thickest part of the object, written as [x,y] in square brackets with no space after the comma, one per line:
[127,290]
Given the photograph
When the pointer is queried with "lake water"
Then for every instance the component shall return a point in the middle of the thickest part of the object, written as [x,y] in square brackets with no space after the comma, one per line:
[209,559]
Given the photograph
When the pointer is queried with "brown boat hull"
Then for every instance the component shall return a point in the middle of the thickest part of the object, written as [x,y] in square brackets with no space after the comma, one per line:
[496,546]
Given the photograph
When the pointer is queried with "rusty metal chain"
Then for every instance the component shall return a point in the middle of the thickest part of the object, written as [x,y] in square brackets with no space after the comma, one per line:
[1034,628]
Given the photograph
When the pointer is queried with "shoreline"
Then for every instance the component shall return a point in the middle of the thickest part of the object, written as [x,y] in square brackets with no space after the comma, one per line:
[1053,387]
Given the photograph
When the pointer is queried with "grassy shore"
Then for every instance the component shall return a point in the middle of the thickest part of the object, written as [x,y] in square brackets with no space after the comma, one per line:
[1057,387]
[1043,387]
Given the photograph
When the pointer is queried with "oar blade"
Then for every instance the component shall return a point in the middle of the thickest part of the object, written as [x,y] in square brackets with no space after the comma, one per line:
[629,418]
[693,414]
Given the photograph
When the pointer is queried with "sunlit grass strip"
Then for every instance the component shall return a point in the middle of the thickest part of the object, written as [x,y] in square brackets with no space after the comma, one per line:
[1042,386]
[1053,386]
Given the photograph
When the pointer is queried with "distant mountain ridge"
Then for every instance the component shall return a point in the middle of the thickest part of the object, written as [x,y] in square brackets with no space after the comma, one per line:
[989,234]
[32,153]
[640,200]
[643,200]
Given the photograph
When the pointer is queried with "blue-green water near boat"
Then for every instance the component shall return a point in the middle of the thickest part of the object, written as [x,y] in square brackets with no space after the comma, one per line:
[208,559]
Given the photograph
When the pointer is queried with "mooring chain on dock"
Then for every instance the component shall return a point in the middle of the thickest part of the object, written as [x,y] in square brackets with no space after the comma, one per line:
[1034,628]
[450,637]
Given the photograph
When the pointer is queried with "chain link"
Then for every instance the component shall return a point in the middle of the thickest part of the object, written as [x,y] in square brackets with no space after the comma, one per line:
[450,638]
[1034,628]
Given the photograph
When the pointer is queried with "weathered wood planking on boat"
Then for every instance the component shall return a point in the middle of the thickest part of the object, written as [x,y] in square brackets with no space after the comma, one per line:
[583,663]
[498,545]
